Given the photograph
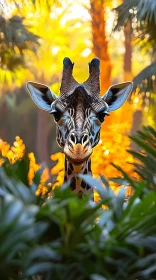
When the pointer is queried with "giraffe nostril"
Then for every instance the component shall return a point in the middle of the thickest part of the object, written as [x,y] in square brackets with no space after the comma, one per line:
[72,139]
[85,139]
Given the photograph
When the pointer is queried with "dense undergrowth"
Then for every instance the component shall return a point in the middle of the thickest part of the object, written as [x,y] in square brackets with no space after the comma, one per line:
[63,237]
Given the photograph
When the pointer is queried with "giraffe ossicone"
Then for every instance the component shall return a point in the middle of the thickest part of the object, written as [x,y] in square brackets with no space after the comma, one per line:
[79,112]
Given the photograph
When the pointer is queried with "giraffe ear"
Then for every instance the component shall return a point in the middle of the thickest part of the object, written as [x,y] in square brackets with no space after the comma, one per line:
[41,95]
[117,95]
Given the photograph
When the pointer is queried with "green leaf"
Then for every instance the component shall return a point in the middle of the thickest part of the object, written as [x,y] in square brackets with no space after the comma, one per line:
[146,147]
[97,277]
[39,267]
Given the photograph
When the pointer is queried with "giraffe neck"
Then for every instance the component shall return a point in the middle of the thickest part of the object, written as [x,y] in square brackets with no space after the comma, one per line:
[71,171]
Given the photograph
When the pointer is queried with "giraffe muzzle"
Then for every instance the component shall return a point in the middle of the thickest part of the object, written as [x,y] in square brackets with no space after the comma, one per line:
[73,139]
[78,148]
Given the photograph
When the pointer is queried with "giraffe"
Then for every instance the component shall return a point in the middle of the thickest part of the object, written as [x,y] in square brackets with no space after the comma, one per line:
[79,112]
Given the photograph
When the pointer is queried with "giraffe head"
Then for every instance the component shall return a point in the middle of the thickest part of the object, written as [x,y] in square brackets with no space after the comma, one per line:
[79,111]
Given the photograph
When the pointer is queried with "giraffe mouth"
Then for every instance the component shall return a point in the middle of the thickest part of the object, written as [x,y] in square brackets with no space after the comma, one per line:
[78,154]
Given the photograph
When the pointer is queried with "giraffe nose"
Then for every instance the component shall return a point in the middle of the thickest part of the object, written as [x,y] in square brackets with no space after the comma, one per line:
[74,139]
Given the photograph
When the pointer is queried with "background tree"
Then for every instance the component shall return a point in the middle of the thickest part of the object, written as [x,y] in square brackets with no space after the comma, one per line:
[100,42]
[142,14]
[15,41]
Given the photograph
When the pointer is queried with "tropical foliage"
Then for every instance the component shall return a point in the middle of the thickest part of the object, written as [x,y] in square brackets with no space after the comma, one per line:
[15,40]
[63,237]
[143,17]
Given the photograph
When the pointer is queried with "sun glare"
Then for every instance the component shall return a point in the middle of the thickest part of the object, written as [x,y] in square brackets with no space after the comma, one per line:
[75,10]
[86,52]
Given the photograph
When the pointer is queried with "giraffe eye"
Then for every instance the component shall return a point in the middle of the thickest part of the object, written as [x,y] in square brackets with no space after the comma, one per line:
[101,116]
[57,115]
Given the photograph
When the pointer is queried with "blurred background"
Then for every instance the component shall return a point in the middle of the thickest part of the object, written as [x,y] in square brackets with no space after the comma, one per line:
[35,36]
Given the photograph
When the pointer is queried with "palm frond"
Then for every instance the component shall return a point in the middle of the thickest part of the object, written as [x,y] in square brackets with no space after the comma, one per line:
[144,12]
[146,79]
[15,34]
[145,160]
[14,39]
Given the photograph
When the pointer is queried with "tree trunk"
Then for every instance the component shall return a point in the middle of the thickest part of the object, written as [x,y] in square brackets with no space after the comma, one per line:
[127,65]
[128,76]
[100,44]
